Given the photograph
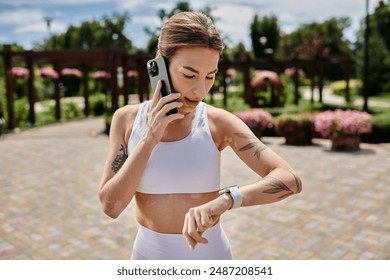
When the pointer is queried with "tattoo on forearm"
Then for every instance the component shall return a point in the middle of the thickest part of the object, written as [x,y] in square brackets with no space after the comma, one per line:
[119,159]
[255,143]
[298,182]
[277,186]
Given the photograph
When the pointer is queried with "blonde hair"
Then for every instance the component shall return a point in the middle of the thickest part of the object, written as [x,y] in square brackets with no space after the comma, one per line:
[187,29]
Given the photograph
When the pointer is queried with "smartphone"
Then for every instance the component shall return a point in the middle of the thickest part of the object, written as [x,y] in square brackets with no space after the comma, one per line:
[158,70]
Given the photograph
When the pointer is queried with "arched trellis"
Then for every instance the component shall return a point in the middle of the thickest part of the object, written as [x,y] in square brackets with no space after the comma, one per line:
[85,60]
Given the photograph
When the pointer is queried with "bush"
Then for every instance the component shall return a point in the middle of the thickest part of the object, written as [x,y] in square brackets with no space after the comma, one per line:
[21,108]
[71,111]
[342,122]
[97,103]
[380,129]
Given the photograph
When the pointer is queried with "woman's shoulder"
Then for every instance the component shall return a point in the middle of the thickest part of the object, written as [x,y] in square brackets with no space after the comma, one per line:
[127,111]
[222,122]
[126,114]
[123,119]
[220,116]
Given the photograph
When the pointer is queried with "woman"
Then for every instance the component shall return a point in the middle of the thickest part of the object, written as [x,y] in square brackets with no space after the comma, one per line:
[170,164]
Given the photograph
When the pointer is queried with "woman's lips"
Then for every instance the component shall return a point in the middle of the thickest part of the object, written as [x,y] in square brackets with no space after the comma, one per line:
[191,102]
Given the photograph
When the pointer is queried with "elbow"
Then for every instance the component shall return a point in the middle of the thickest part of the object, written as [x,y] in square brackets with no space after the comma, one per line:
[109,212]
[108,207]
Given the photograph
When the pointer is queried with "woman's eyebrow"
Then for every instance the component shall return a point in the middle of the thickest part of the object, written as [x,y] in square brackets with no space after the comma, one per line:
[197,72]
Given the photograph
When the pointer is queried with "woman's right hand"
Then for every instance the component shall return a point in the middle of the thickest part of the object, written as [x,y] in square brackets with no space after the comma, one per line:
[157,119]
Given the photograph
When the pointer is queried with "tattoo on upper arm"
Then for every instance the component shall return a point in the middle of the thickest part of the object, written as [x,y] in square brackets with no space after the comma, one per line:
[277,186]
[254,143]
[119,159]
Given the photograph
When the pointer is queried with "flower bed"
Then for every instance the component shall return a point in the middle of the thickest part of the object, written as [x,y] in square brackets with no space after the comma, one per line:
[71,72]
[20,72]
[47,72]
[297,129]
[340,125]
[256,119]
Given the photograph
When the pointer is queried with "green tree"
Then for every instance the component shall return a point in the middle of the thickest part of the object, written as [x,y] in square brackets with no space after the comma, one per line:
[107,32]
[382,18]
[235,53]
[265,35]
[378,52]
[330,33]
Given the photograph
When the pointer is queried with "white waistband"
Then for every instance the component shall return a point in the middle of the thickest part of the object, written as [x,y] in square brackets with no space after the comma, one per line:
[154,245]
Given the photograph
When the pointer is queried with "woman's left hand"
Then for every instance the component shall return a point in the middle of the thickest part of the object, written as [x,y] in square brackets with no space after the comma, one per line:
[199,219]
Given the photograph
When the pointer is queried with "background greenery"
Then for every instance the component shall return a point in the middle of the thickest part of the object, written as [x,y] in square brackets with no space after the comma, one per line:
[108,31]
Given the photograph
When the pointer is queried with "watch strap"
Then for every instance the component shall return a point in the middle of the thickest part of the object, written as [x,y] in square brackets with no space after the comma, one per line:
[235,194]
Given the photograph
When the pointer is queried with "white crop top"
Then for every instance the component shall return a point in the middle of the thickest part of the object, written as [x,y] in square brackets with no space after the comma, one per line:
[190,165]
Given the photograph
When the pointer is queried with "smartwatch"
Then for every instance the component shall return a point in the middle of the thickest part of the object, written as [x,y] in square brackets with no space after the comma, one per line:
[235,194]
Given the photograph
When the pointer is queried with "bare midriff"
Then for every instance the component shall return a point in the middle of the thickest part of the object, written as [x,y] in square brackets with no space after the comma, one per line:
[165,213]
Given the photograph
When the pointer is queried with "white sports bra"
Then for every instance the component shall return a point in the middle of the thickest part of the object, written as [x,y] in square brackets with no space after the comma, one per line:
[190,165]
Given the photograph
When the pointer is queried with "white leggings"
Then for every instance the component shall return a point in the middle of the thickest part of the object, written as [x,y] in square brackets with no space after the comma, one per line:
[151,245]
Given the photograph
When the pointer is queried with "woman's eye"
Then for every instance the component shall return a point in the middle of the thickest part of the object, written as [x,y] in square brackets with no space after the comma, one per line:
[209,78]
[189,76]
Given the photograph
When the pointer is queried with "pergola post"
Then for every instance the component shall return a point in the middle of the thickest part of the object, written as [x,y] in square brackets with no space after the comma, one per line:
[125,86]
[347,78]
[296,83]
[321,77]
[31,90]
[84,70]
[246,78]
[9,86]
[113,83]
[57,92]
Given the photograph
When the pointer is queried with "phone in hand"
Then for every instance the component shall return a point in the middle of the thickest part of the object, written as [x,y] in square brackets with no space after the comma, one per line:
[158,70]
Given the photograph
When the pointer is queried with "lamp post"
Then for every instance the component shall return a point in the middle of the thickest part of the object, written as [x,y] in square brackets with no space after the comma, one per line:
[366,59]
[265,51]
[48,21]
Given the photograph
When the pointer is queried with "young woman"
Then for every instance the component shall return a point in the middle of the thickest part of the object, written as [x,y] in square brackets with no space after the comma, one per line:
[170,164]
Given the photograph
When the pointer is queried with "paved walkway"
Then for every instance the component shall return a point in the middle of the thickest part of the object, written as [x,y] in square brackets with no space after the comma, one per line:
[329,97]
[49,207]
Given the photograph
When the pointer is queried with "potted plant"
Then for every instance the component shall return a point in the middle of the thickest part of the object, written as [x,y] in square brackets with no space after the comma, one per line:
[256,119]
[297,129]
[343,127]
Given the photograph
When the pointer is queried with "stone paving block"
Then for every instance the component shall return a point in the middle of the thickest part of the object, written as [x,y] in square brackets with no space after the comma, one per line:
[49,207]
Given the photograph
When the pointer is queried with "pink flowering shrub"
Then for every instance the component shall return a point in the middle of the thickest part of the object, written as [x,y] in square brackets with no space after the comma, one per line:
[47,72]
[132,74]
[71,72]
[101,75]
[291,72]
[256,118]
[348,122]
[20,72]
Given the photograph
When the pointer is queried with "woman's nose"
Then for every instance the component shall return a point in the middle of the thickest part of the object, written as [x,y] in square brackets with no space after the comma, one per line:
[200,88]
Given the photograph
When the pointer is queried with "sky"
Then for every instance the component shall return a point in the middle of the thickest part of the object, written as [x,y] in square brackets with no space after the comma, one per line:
[23,21]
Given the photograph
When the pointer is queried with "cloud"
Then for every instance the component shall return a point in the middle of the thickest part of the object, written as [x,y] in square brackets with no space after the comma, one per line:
[57,2]
[131,4]
[21,17]
[28,20]
[41,27]
[233,21]
[18,18]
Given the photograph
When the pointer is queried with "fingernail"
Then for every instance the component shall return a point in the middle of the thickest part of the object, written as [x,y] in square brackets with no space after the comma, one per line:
[177,94]
[191,247]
